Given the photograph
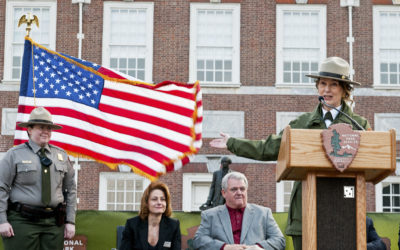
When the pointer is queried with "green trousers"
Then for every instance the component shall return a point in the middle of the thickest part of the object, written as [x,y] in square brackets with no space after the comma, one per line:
[297,242]
[28,235]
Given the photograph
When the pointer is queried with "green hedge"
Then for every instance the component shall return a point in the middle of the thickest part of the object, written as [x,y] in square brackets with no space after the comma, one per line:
[100,226]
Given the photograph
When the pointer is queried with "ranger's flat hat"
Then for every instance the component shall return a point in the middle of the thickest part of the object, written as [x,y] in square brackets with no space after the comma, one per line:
[335,68]
[42,116]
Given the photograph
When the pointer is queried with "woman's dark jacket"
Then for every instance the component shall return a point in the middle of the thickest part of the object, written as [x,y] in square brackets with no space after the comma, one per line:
[135,234]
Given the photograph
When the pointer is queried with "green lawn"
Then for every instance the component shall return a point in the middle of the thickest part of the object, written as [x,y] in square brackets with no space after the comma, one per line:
[100,226]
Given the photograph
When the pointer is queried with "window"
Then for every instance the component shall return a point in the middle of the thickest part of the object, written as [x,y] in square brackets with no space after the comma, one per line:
[300,42]
[121,191]
[195,189]
[386,46]
[387,121]
[215,121]
[8,121]
[215,44]
[387,193]
[284,188]
[390,197]
[128,38]
[14,37]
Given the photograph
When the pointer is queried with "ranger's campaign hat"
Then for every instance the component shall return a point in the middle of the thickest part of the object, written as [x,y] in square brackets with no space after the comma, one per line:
[40,115]
[335,68]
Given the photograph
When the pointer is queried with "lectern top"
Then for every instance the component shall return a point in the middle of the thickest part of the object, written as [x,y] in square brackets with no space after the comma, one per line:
[302,151]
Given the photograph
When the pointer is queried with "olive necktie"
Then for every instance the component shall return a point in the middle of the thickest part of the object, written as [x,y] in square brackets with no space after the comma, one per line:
[328,116]
[46,193]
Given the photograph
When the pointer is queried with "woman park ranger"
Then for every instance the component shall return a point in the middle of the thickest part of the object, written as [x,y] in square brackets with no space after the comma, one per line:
[333,84]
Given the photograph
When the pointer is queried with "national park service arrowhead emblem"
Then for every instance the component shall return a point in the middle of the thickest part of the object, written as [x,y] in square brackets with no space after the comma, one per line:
[341,144]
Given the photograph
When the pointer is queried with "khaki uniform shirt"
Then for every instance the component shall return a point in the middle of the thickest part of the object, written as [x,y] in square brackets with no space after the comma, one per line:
[21,179]
[268,150]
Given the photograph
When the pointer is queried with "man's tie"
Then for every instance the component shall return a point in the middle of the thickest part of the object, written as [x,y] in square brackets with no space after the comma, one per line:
[328,116]
[46,184]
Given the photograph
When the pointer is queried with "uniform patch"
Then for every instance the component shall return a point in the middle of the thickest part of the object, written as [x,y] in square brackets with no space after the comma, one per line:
[27,161]
[341,145]
[60,157]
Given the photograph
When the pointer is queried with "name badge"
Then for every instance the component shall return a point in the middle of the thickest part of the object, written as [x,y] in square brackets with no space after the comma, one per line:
[60,157]
[27,162]
[167,244]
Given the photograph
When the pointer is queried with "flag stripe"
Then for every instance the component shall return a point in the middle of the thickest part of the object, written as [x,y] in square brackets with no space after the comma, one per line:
[117,144]
[110,120]
[146,118]
[148,110]
[68,117]
[152,94]
[129,143]
[98,156]
[161,105]
[110,154]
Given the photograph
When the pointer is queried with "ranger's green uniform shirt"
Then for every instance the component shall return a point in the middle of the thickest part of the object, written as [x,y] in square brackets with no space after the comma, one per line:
[268,150]
[21,179]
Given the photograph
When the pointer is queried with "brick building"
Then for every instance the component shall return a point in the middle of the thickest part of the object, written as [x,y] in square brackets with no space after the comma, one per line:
[250,57]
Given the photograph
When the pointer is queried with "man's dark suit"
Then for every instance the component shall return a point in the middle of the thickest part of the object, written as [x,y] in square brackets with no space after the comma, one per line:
[135,234]
[374,242]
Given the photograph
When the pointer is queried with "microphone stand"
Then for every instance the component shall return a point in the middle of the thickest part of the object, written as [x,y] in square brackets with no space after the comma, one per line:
[321,99]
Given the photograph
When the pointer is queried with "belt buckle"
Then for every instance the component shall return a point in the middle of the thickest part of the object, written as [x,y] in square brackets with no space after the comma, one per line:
[48,209]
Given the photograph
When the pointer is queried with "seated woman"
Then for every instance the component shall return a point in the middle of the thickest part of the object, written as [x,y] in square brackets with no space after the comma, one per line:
[153,228]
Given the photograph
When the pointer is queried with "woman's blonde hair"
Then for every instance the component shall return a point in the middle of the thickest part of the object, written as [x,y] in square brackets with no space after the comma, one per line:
[144,204]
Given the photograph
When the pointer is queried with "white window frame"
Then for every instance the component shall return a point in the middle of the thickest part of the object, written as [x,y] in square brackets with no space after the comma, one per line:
[376,45]
[8,121]
[280,195]
[282,120]
[108,6]
[378,189]
[9,31]
[188,179]
[280,8]
[215,121]
[235,8]
[382,122]
[104,176]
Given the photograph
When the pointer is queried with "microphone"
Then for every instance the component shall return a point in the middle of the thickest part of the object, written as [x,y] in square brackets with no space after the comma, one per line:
[322,100]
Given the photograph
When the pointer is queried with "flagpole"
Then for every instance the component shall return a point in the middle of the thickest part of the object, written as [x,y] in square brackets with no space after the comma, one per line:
[29,18]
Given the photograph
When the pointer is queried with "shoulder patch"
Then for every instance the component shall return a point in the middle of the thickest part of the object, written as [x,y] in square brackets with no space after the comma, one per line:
[19,147]
[57,148]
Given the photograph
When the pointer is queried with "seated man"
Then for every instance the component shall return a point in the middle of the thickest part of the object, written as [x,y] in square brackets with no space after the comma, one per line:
[237,225]
[374,242]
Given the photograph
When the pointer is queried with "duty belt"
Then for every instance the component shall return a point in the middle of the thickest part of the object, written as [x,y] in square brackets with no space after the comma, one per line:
[41,212]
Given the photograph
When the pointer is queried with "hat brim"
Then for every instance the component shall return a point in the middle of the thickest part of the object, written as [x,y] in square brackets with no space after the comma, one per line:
[335,78]
[52,126]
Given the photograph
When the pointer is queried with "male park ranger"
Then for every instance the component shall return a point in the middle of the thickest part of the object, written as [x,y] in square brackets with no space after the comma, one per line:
[37,186]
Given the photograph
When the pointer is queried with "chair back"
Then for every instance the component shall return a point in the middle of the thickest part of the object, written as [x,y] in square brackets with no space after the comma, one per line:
[387,242]
[120,229]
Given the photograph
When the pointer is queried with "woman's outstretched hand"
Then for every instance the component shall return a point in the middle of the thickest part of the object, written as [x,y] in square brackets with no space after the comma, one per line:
[220,142]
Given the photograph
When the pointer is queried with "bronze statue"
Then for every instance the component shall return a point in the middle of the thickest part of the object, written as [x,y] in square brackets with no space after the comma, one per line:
[214,196]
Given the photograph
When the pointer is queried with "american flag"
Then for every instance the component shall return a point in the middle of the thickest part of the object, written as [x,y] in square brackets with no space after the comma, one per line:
[108,116]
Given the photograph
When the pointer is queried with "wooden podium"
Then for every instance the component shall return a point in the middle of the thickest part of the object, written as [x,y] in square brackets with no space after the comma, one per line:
[302,157]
